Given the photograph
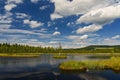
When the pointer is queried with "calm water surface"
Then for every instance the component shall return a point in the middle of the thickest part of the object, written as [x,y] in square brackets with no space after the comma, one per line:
[45,67]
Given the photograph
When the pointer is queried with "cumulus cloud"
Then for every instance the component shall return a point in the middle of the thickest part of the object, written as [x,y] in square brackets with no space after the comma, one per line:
[74,7]
[22,15]
[32,23]
[5,20]
[14,1]
[77,41]
[10,4]
[116,37]
[34,1]
[101,16]
[88,29]
[9,7]
[84,37]
[55,16]
[56,33]
[74,37]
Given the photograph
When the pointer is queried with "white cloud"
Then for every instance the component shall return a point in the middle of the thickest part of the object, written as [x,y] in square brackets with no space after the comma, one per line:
[101,16]
[43,30]
[14,1]
[70,24]
[20,39]
[4,26]
[55,16]
[26,21]
[74,37]
[9,7]
[22,15]
[77,41]
[88,29]
[116,37]
[110,42]
[32,23]
[16,31]
[10,4]
[39,34]
[5,20]
[84,37]
[34,1]
[74,7]
[97,12]
[35,24]
[53,42]
[44,7]
[56,33]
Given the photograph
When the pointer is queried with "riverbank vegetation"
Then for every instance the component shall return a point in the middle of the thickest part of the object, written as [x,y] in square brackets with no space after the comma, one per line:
[20,55]
[112,63]
[60,56]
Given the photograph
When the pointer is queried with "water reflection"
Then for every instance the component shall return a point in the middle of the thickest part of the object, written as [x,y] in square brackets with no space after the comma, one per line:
[45,67]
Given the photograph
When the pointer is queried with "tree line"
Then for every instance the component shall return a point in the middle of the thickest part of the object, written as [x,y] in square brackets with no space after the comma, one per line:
[17,48]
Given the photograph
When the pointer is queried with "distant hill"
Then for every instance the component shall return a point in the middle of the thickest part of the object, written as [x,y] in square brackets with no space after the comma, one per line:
[97,49]
[101,47]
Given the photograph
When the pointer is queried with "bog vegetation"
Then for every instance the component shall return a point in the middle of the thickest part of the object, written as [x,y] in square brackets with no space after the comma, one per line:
[112,63]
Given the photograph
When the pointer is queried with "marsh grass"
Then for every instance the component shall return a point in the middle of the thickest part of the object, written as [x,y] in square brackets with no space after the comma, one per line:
[60,56]
[20,55]
[112,63]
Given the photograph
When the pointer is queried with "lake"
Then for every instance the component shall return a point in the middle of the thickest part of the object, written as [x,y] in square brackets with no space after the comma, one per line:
[45,67]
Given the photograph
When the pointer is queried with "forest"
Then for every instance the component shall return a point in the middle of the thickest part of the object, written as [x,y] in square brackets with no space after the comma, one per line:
[17,48]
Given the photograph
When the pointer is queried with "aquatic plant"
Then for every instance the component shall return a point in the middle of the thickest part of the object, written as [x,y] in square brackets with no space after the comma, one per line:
[112,63]
[19,55]
[60,56]
[72,65]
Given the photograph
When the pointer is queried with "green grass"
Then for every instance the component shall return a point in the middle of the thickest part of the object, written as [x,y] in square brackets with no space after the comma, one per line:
[60,56]
[112,63]
[20,55]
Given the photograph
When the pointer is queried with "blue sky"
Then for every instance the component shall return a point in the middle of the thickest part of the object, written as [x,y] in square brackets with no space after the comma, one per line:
[73,23]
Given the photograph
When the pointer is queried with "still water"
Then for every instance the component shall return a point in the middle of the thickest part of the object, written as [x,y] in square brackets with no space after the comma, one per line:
[45,67]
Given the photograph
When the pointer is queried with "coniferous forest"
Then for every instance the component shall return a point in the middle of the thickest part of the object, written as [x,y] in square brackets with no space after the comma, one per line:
[17,48]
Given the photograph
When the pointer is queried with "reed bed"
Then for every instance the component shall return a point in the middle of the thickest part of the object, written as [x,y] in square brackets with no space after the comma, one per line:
[112,63]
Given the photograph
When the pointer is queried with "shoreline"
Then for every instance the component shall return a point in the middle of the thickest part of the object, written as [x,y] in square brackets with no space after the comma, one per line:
[112,63]
[20,55]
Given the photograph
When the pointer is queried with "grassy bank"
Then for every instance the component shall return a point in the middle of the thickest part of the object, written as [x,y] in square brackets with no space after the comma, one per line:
[20,55]
[112,63]
[60,56]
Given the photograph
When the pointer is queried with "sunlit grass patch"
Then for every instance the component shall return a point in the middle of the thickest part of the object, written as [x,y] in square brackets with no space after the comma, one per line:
[19,55]
[112,63]
[60,56]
